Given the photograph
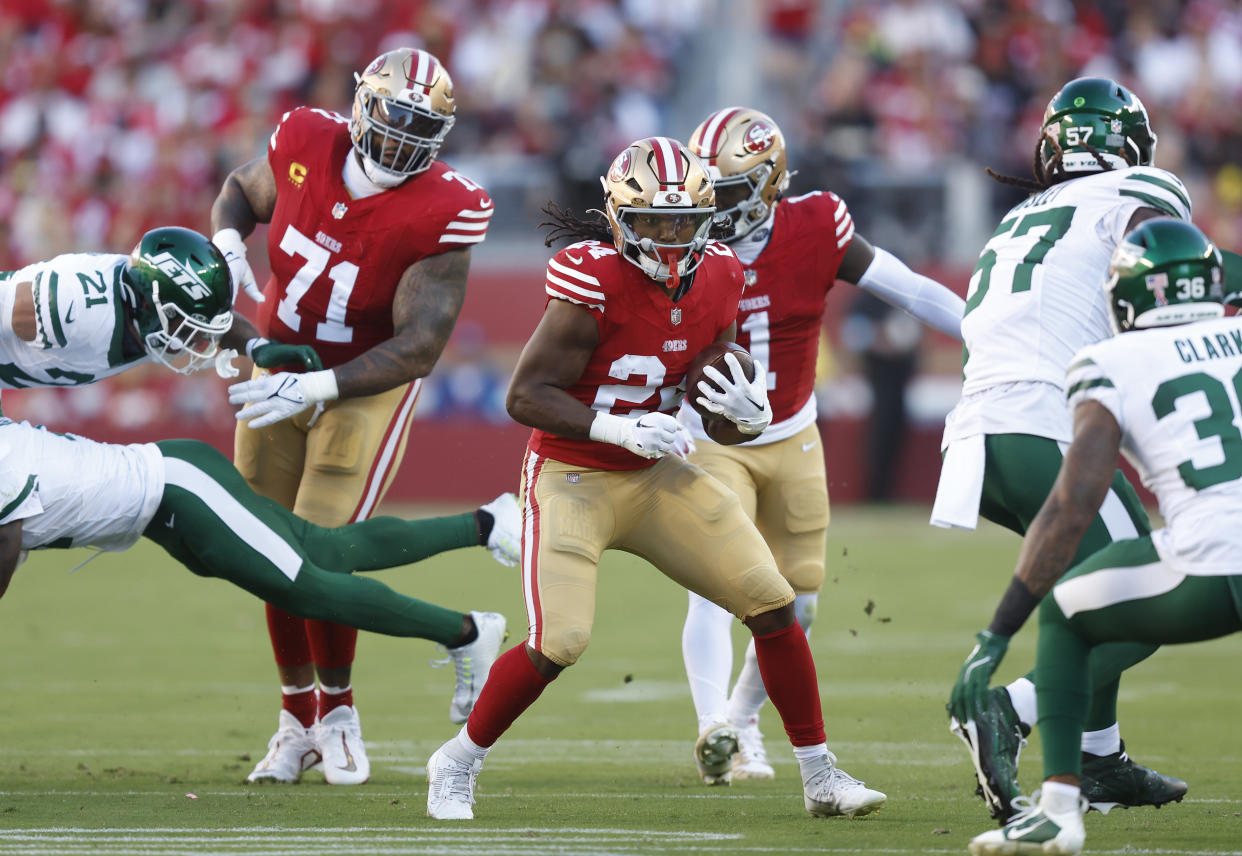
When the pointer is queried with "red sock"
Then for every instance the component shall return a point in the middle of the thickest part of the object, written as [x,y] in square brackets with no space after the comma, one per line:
[330,700]
[512,685]
[302,705]
[332,645]
[288,634]
[789,677]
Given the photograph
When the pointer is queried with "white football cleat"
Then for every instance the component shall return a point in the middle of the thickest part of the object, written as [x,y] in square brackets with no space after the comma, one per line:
[1035,829]
[713,753]
[831,792]
[338,737]
[751,760]
[473,661]
[290,752]
[450,785]
[505,540]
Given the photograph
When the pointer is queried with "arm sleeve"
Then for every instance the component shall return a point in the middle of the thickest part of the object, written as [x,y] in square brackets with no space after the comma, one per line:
[888,278]
[1087,380]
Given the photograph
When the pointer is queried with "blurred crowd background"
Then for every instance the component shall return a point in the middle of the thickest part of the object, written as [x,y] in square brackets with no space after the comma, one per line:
[120,115]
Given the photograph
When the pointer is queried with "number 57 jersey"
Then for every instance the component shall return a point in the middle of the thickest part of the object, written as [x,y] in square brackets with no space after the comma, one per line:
[336,260]
[1037,292]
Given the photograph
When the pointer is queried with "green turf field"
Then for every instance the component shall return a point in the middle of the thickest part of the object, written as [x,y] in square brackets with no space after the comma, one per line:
[135,697]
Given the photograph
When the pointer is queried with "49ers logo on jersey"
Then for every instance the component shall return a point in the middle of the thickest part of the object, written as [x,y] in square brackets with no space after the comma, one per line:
[759,137]
[620,166]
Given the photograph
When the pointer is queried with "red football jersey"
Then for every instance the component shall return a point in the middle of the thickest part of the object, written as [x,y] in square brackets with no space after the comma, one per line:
[646,341]
[336,260]
[780,315]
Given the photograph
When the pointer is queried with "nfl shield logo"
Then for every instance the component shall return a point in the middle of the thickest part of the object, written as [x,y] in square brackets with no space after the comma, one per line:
[572,478]
[675,316]
[339,209]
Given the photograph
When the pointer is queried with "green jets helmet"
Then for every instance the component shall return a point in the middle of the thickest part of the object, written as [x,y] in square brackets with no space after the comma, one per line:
[1090,116]
[181,295]
[1164,272]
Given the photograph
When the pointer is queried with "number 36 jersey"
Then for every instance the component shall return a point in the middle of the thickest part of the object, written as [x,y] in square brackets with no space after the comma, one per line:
[1176,392]
[336,260]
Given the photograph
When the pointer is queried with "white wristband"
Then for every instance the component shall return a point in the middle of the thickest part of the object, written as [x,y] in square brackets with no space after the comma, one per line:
[319,386]
[229,241]
[254,343]
[607,428]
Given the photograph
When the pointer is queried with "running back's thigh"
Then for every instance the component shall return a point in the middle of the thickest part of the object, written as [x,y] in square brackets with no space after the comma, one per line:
[693,529]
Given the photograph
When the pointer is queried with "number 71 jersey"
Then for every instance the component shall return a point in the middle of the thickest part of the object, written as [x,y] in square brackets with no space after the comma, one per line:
[1037,292]
[336,260]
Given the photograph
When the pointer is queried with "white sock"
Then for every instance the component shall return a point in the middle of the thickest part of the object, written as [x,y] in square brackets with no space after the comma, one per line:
[1106,741]
[1022,696]
[810,759]
[707,650]
[324,688]
[290,689]
[470,750]
[1058,798]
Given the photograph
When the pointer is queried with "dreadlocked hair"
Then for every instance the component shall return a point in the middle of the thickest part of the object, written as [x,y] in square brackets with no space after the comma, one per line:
[564,224]
[1045,178]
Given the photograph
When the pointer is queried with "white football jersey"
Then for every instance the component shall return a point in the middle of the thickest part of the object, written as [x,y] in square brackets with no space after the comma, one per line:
[80,318]
[69,491]
[1176,392]
[1037,297]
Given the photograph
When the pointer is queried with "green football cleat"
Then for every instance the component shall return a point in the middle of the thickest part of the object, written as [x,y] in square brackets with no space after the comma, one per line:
[1035,830]
[995,736]
[1109,781]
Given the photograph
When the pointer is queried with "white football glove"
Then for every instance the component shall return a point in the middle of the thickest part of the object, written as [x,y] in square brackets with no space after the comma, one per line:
[652,435]
[742,402]
[274,397]
[229,242]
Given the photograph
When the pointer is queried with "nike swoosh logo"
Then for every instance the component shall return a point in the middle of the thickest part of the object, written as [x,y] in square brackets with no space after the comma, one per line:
[573,259]
[351,767]
[806,447]
[171,518]
[69,313]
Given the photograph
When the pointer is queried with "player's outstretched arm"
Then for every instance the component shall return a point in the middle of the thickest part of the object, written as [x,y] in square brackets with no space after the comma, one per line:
[880,272]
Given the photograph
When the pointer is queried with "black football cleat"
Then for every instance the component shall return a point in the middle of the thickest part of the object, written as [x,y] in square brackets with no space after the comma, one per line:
[1109,781]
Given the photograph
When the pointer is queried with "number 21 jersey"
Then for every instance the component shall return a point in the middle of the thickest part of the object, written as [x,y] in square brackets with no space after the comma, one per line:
[336,260]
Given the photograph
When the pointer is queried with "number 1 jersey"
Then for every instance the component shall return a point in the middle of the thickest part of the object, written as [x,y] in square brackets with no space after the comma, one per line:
[336,260]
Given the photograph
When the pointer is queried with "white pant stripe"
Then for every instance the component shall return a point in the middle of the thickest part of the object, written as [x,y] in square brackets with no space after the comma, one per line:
[1111,586]
[234,515]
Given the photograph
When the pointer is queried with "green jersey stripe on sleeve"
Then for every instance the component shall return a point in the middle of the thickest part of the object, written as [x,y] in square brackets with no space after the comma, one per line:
[1083,385]
[1081,364]
[1166,185]
[31,481]
[53,281]
[1153,201]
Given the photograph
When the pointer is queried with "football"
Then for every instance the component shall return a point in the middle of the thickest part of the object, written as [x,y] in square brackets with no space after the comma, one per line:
[714,355]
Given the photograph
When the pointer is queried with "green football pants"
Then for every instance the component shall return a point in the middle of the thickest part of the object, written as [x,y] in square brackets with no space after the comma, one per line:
[1124,593]
[215,525]
[1019,475]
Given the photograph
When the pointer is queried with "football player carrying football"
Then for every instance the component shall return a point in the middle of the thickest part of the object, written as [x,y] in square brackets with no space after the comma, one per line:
[369,244]
[80,317]
[1035,301]
[605,469]
[1166,392]
[792,251]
